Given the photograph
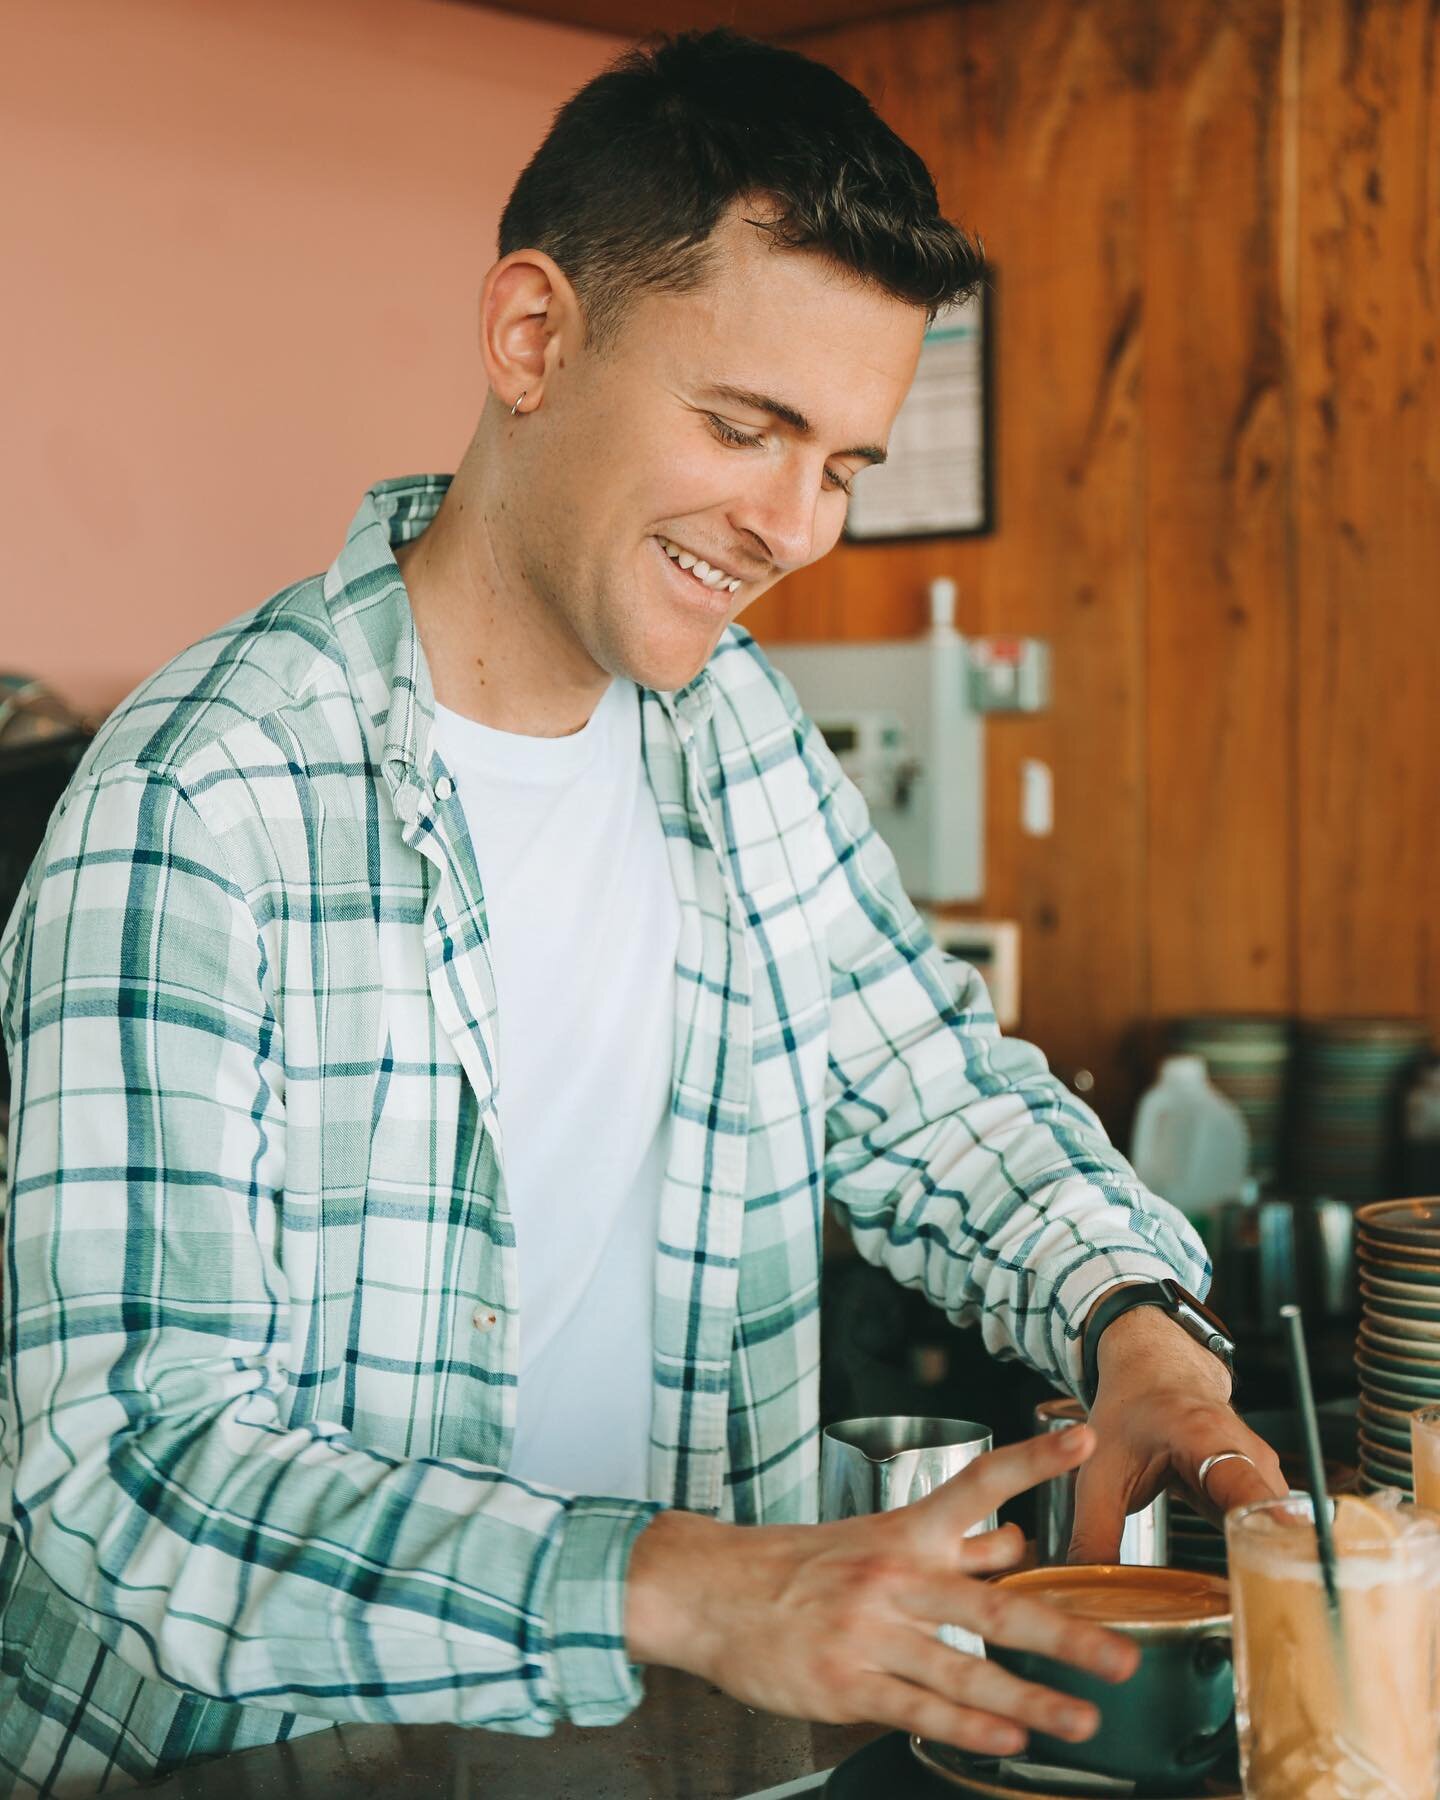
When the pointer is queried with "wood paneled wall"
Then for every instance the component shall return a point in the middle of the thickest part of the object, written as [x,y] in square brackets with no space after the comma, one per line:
[1215,226]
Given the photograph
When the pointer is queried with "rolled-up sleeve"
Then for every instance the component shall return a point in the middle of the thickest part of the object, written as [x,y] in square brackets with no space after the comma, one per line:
[956,1159]
[157,1480]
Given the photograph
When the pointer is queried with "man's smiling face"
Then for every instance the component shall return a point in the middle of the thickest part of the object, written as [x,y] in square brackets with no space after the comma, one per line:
[724,424]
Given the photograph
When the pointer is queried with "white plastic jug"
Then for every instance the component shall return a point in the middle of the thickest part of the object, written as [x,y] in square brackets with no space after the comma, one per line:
[1191,1143]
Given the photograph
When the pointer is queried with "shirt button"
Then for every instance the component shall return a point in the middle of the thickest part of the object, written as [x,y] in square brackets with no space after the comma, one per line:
[483,1319]
[444,788]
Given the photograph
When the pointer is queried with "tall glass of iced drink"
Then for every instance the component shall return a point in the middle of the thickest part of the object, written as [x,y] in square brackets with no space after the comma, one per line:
[1327,1717]
[1425,1456]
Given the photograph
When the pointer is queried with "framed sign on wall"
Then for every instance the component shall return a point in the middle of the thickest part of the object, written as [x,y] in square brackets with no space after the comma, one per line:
[938,479]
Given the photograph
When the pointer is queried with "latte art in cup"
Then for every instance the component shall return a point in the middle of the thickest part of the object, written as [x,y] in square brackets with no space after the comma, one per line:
[1171,1722]
[1167,1596]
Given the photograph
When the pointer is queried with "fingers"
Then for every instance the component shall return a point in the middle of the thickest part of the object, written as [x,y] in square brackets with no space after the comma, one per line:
[992,1551]
[1158,1440]
[919,1711]
[1234,1483]
[972,1682]
[1102,1495]
[1001,1616]
[999,1476]
[1024,1624]
[1108,1489]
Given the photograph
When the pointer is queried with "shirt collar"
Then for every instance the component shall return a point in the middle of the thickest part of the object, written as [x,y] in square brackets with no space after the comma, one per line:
[372,618]
[693,703]
[373,622]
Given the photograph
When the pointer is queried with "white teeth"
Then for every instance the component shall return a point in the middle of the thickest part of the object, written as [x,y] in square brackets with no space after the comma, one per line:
[712,578]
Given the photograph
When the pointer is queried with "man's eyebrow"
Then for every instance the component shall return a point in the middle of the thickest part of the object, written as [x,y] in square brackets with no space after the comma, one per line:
[788,415]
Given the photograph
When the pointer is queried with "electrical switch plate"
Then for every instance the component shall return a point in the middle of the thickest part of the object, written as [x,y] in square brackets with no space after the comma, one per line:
[1037,798]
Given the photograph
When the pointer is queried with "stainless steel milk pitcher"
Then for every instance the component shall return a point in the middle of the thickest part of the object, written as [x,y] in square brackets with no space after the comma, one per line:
[874,1465]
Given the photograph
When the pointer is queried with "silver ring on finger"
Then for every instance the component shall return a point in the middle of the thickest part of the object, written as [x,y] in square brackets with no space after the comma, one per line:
[1220,1456]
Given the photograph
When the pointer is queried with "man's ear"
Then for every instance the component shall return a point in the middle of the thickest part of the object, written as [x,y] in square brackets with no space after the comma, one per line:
[529,315]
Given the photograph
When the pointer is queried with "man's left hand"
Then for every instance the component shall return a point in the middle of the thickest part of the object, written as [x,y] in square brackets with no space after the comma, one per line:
[1162,1407]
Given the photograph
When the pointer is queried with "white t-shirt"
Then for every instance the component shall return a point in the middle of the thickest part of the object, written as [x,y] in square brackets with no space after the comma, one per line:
[584,925]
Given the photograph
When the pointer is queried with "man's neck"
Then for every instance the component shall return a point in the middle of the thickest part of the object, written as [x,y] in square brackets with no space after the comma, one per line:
[496,653]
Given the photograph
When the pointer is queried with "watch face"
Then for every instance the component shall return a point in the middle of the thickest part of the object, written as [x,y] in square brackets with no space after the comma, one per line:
[1213,1323]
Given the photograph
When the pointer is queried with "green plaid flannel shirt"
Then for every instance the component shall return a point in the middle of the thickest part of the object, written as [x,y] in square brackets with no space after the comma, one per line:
[254,1434]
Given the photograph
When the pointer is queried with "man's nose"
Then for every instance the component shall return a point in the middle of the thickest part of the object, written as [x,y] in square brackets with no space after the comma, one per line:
[782,511]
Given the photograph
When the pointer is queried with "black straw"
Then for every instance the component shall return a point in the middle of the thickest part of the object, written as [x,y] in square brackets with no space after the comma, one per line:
[1314,1458]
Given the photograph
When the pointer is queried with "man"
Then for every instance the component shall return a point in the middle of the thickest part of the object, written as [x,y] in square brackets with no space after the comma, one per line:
[443,1004]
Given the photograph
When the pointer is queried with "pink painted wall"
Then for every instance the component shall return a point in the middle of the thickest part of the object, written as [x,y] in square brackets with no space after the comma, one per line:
[240,247]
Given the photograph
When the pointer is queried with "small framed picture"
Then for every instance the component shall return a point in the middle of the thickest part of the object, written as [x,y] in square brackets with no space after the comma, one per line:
[938,480]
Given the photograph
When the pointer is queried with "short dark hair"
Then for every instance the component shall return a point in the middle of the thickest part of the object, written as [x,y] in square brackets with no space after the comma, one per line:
[639,166]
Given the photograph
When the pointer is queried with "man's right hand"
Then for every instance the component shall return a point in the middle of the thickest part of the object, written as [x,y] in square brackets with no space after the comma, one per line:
[838,1622]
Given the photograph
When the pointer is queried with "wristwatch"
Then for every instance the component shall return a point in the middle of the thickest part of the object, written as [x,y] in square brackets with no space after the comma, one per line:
[1191,1315]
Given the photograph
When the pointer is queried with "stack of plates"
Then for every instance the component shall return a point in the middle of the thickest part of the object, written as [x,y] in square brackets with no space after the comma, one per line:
[1249,1060]
[1398,1350]
[1349,1077]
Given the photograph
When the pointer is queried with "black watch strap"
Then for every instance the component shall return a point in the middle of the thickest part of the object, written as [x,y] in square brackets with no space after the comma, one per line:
[1194,1318]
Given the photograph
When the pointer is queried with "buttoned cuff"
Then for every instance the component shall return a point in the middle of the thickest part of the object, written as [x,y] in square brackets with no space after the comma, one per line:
[595,1681]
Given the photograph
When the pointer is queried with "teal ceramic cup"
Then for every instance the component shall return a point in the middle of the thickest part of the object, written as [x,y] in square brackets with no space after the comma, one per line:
[1168,1726]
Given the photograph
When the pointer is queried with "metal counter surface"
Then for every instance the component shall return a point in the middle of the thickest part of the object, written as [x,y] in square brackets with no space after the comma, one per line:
[686,1741]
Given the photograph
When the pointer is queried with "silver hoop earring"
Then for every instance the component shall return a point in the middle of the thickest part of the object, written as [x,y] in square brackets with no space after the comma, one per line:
[516,407]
